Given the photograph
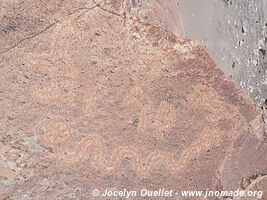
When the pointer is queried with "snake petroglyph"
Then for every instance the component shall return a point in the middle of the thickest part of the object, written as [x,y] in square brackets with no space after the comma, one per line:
[162,119]
[92,149]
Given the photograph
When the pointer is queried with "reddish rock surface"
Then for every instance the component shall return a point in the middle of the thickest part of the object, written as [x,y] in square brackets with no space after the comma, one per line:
[93,97]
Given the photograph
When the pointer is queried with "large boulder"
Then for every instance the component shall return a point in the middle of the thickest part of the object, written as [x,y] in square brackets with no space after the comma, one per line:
[103,99]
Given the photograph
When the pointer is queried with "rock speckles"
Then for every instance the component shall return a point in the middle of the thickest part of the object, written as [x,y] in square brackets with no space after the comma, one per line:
[232,33]
[115,102]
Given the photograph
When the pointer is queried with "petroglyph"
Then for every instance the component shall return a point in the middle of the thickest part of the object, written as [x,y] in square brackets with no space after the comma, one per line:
[92,149]
[162,118]
[95,145]
[56,133]
[63,77]
[73,119]
[58,136]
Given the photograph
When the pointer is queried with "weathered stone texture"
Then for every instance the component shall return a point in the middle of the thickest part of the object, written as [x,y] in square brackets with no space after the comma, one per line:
[101,99]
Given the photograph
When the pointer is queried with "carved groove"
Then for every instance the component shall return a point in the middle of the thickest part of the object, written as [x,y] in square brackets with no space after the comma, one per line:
[93,149]
[162,119]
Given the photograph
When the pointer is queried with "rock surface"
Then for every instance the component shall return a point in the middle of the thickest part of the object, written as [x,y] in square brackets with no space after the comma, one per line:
[94,95]
[234,33]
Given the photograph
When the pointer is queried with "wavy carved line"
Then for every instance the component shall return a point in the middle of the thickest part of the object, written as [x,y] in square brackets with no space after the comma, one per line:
[53,92]
[96,145]
[99,161]
[93,149]
[59,89]
[58,138]
[162,118]
[83,151]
